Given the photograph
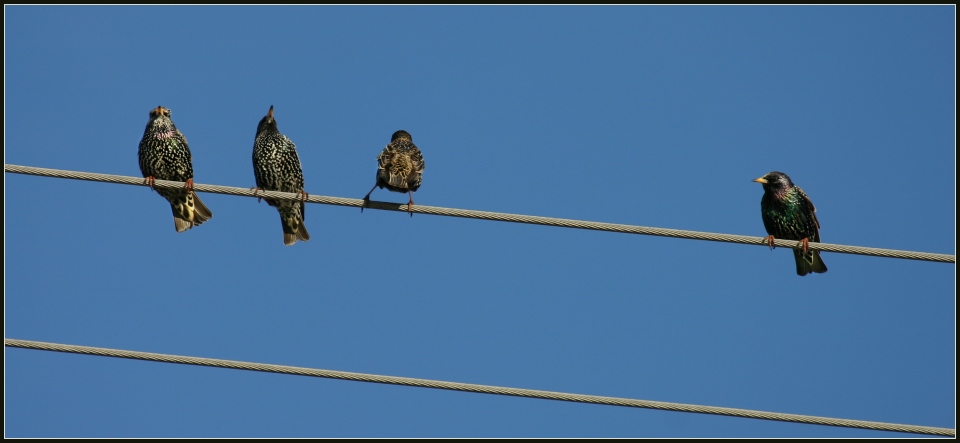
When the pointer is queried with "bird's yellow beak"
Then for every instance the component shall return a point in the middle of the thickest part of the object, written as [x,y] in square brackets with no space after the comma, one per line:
[760,180]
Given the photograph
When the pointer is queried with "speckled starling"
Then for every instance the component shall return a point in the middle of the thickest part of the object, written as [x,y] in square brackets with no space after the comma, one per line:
[400,168]
[164,155]
[277,168]
[790,215]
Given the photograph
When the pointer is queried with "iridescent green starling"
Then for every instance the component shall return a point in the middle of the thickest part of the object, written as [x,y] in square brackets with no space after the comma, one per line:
[164,155]
[277,168]
[400,168]
[790,215]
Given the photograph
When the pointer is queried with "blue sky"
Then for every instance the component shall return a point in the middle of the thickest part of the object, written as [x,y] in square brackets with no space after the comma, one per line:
[655,116]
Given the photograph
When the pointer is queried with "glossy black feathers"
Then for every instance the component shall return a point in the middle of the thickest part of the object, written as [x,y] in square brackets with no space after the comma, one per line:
[790,215]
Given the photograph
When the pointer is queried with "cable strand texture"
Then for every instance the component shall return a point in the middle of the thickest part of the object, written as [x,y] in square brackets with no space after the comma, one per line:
[496,216]
[484,389]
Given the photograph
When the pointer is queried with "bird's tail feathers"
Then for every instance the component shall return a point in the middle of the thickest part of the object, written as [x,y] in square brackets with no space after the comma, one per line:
[293,227]
[202,212]
[188,210]
[396,180]
[808,262]
[181,224]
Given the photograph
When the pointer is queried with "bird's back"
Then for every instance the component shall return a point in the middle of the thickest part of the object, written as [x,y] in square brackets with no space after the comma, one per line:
[401,166]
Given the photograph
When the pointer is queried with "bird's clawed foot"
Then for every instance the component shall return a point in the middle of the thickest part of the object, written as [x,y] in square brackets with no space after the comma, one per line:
[769,242]
[804,244]
[366,201]
[256,190]
[188,185]
[148,180]
[303,196]
[409,205]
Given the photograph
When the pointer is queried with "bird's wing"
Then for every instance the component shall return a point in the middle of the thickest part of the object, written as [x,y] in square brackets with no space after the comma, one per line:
[813,209]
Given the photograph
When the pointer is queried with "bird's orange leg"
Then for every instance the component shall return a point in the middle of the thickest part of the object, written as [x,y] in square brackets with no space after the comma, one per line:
[148,180]
[188,185]
[769,241]
[410,203]
[805,243]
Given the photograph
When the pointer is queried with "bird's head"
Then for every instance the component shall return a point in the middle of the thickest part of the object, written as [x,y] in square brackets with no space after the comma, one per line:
[774,181]
[160,120]
[267,122]
[159,111]
[401,134]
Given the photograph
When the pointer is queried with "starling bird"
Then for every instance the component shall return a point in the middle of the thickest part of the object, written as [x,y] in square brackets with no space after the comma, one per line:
[277,168]
[789,214]
[164,155]
[400,168]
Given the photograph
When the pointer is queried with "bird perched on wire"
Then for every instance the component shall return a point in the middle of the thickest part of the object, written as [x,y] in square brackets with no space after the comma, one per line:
[276,167]
[790,215]
[164,155]
[400,168]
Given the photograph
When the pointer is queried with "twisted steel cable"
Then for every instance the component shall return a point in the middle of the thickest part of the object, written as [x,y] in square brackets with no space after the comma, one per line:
[483,389]
[497,216]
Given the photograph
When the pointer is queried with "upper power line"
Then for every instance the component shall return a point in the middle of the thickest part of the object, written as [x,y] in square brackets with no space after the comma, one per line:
[484,215]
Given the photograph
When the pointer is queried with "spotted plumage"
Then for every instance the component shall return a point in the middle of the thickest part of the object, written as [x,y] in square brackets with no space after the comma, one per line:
[276,167]
[400,168]
[790,215]
[164,155]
